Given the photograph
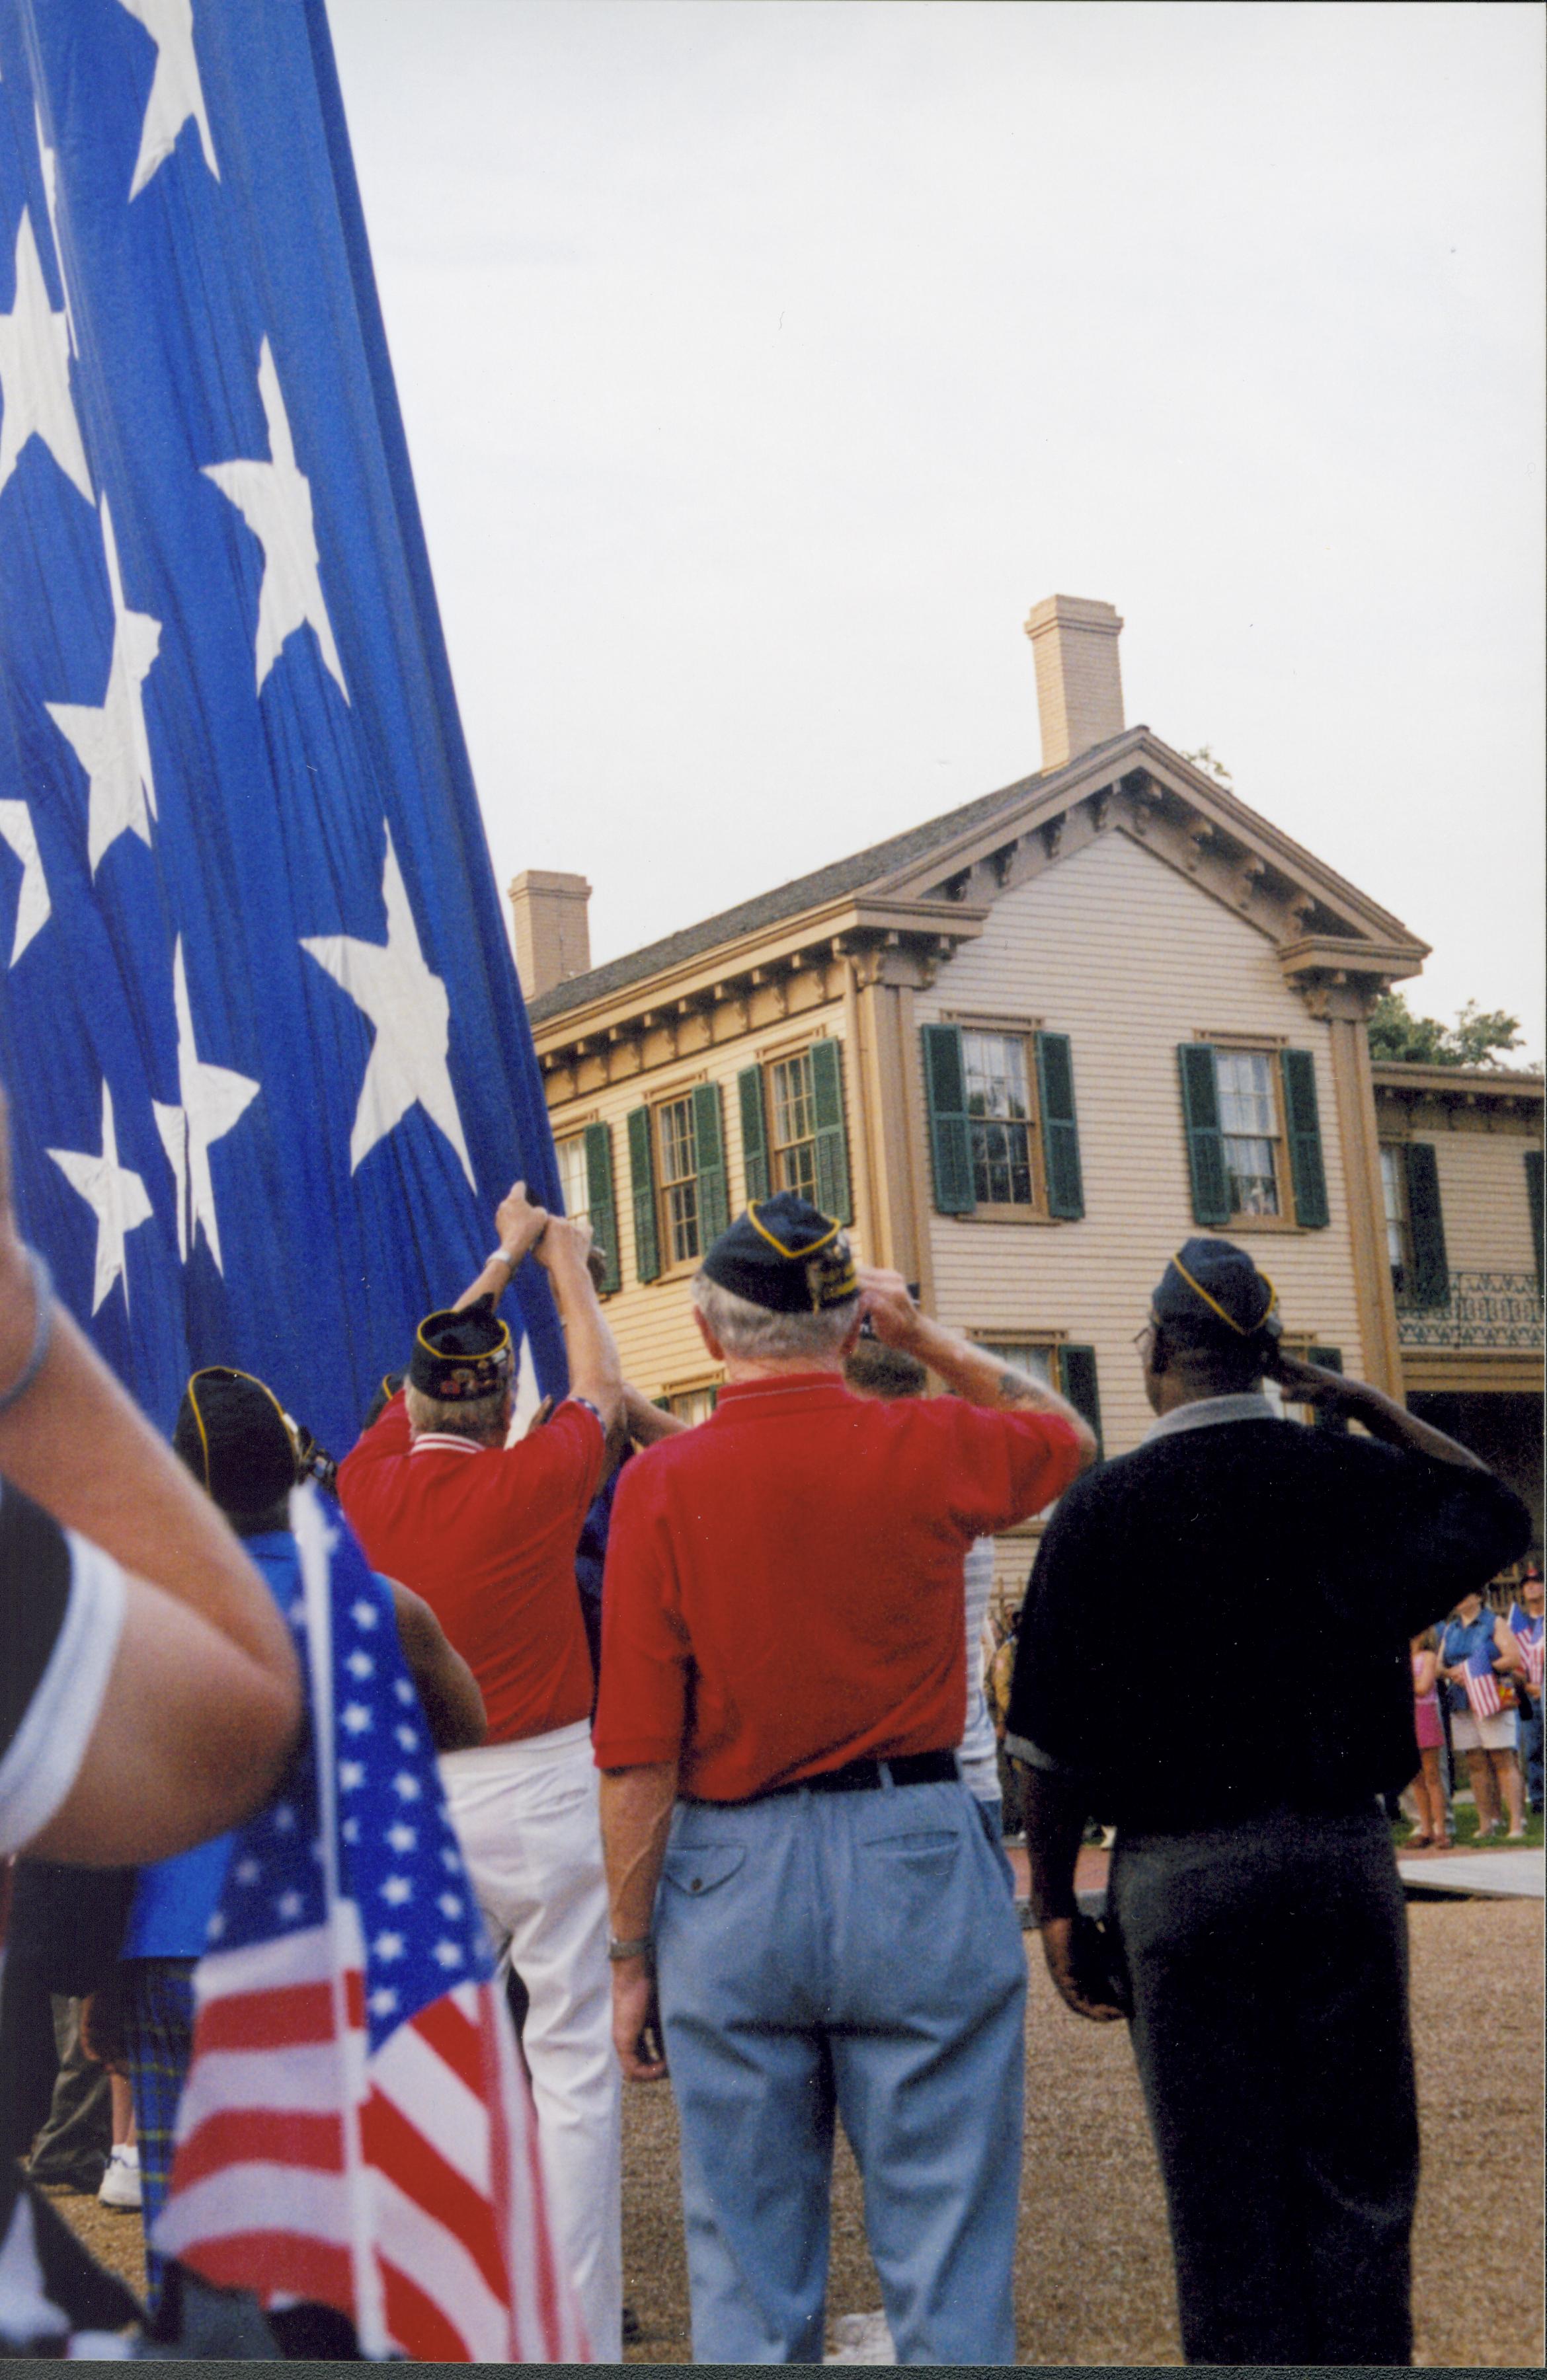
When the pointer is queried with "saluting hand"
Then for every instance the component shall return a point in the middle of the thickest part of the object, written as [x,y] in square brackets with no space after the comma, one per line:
[520,1223]
[886,1301]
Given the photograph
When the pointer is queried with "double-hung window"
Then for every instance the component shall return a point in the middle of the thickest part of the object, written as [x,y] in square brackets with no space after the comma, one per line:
[1253,1136]
[793,1136]
[676,1154]
[676,1166]
[1003,1142]
[585,1172]
[1002,1125]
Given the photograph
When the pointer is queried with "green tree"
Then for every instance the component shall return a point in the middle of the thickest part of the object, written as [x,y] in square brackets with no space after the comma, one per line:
[1203,758]
[1479,1036]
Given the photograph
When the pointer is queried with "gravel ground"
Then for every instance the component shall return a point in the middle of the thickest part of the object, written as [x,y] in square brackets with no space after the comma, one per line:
[1094,2272]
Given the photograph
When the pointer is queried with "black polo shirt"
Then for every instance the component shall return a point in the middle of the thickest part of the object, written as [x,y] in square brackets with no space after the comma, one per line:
[1219,1622]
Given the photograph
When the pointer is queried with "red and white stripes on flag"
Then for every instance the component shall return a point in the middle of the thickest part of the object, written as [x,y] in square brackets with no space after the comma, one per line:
[463,2266]
[356,2130]
[1482,1691]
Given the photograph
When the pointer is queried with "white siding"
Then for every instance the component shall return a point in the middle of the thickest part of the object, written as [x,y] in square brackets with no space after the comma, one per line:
[1116,949]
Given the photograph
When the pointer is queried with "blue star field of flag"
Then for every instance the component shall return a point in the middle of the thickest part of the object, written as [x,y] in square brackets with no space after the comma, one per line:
[398,1858]
[268,1064]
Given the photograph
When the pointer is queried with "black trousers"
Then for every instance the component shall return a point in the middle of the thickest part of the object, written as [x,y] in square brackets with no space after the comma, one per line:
[1269,1965]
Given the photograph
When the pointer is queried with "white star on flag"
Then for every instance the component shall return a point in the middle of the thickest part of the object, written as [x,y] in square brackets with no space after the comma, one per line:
[274,499]
[211,1099]
[109,738]
[35,372]
[176,90]
[50,165]
[116,1196]
[409,1009]
[34,907]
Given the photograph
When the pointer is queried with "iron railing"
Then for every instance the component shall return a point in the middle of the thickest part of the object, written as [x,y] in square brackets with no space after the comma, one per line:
[1481,1309]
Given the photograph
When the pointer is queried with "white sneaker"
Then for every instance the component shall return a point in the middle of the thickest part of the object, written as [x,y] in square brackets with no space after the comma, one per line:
[120,2183]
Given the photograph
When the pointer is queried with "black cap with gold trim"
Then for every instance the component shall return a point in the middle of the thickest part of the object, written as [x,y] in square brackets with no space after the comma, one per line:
[784,1255]
[232,1433]
[1211,1290]
[461,1355]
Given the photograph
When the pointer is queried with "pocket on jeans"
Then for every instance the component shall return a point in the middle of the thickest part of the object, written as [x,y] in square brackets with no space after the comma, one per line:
[700,1867]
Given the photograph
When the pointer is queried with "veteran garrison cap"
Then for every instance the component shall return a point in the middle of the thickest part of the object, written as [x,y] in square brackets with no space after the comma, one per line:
[461,1355]
[232,1433]
[1211,1290]
[785,1254]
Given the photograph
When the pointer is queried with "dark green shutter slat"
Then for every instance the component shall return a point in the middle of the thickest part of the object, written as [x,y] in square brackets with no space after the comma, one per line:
[1330,1360]
[1305,1169]
[1065,1187]
[1430,1280]
[1533,1199]
[754,1132]
[709,1140]
[1211,1183]
[603,1203]
[831,1138]
[641,1178]
[1077,1372]
[950,1143]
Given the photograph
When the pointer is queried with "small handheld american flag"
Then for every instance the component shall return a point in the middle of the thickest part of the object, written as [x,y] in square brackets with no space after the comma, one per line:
[356,2130]
[1528,1634]
[1482,1689]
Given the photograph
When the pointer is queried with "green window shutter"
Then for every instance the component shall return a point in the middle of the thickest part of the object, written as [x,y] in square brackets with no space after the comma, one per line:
[1306,1169]
[1533,1199]
[1077,1373]
[950,1143]
[1330,1360]
[1429,1285]
[832,1140]
[603,1203]
[641,1177]
[1065,1188]
[1211,1183]
[754,1132]
[709,1139]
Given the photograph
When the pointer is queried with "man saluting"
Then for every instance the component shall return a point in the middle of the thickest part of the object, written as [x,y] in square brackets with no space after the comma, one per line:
[792,1858]
[1214,1655]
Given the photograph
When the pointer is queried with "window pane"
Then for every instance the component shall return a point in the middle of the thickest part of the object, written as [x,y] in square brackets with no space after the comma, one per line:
[1249,1122]
[999,1109]
[678,1150]
[573,1180]
[1393,1195]
[794,1125]
[692,1404]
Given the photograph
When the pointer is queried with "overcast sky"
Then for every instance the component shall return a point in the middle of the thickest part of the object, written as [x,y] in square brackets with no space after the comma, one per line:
[763,363]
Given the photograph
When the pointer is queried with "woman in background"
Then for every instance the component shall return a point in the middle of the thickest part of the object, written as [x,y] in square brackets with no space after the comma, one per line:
[1428,1787]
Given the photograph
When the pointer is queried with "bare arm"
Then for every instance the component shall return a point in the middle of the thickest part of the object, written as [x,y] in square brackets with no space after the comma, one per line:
[646,1425]
[518,1225]
[1311,1384]
[204,1698]
[974,1372]
[595,1371]
[447,1689]
[635,1817]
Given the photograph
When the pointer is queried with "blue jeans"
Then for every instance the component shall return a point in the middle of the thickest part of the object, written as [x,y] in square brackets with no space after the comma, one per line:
[848,1954]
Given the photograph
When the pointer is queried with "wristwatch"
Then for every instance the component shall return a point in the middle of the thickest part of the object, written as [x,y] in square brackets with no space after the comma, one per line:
[618,1951]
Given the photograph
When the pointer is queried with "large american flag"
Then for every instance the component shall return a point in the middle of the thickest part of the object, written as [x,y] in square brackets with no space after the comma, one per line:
[1482,1690]
[355,2129]
[258,1020]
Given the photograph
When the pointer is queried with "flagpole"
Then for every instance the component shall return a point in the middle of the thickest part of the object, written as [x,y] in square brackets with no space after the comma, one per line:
[315,1542]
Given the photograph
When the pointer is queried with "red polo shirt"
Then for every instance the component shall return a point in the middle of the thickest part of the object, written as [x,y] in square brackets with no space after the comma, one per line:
[784,1584]
[487,1536]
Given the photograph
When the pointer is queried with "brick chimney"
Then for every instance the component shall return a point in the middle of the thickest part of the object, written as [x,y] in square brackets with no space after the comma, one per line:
[1080,689]
[553,929]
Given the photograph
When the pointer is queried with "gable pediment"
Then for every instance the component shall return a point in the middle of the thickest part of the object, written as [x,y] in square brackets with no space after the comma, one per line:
[1136,786]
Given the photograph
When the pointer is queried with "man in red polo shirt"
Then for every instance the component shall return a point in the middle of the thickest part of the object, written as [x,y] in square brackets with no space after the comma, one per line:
[794,1864]
[486,1533]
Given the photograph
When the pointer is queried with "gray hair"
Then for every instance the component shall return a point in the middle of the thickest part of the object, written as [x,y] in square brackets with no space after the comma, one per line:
[743,1328]
[485,1418]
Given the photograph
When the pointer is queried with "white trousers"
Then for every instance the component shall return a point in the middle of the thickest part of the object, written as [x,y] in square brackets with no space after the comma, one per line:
[528,1817]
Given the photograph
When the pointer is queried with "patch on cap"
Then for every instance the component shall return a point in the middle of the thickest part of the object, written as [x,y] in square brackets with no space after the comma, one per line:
[461,1355]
